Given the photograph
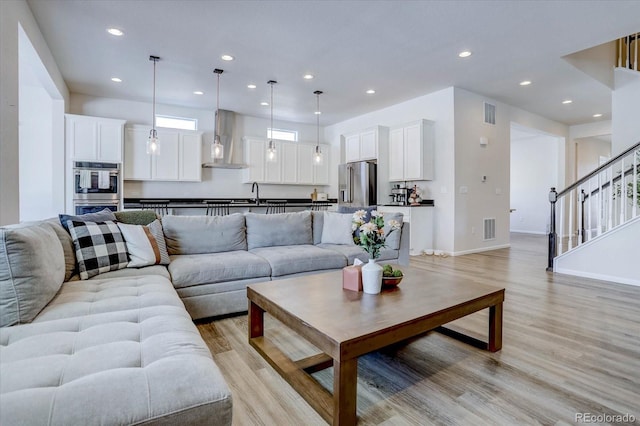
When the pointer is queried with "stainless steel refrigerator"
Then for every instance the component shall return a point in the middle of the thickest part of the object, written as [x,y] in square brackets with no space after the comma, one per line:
[357,185]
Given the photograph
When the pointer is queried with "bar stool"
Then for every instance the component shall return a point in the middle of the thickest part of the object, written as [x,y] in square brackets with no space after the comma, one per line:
[218,207]
[161,207]
[319,205]
[276,206]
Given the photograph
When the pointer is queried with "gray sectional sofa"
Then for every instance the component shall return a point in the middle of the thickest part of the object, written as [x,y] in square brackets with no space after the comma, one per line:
[120,348]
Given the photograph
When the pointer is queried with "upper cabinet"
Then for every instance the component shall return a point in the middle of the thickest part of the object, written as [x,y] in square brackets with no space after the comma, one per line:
[411,151]
[180,157]
[293,164]
[94,138]
[363,145]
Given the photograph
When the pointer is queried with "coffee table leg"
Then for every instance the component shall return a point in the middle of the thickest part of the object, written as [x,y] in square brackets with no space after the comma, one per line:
[345,381]
[256,320]
[495,328]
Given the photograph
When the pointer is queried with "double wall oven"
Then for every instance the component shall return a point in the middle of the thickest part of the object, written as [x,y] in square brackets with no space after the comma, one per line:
[96,186]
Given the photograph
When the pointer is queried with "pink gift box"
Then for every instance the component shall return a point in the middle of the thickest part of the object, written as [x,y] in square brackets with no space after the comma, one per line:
[352,278]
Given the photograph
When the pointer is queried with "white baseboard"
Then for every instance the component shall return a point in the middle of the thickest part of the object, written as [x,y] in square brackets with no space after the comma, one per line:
[601,277]
[528,232]
[478,250]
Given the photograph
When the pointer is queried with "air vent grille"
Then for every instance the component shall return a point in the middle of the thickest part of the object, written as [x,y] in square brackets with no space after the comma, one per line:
[489,229]
[489,113]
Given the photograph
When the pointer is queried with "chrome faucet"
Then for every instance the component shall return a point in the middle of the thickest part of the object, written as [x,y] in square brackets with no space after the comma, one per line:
[255,186]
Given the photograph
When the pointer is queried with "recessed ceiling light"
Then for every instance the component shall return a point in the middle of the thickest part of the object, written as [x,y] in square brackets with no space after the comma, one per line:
[198,92]
[227,58]
[318,112]
[116,80]
[307,77]
[115,32]
[525,83]
[251,86]
[264,103]
[370,92]
[597,115]
[464,54]
[567,101]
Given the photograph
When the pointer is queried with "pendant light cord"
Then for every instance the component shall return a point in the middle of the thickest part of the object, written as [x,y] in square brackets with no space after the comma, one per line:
[216,136]
[155,60]
[271,104]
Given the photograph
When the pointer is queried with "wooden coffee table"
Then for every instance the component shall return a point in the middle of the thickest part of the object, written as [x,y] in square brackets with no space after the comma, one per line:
[345,325]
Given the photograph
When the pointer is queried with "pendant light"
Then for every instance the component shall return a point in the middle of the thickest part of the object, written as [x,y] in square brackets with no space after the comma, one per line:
[317,156]
[153,143]
[271,148]
[217,149]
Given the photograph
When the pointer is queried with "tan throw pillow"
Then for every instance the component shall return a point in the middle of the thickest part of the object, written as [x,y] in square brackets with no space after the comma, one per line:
[145,244]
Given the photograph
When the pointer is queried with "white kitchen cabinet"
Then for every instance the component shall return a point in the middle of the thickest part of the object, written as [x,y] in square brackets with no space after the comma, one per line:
[411,151]
[180,157]
[364,145]
[293,165]
[420,221]
[289,157]
[94,138]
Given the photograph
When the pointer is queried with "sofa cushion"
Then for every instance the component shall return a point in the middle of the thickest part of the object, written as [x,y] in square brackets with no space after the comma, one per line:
[100,216]
[285,260]
[337,228]
[145,244]
[78,298]
[189,270]
[356,252]
[204,234]
[130,272]
[100,247]
[317,222]
[32,269]
[284,229]
[125,367]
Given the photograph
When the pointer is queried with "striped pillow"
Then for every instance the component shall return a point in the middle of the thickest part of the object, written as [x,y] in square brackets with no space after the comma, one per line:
[145,244]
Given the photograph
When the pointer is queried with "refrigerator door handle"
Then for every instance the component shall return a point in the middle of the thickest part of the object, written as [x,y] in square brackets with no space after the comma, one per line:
[349,197]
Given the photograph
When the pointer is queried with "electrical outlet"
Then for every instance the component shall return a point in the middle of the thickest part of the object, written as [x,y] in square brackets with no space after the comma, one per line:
[464,189]
[473,230]
[498,191]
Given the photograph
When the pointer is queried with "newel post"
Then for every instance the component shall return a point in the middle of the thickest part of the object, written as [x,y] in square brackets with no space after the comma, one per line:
[553,196]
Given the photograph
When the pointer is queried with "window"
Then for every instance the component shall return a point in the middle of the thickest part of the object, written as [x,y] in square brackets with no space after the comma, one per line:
[282,134]
[176,122]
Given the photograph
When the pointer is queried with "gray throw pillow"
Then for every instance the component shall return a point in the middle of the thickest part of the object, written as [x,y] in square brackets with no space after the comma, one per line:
[204,234]
[32,269]
[100,216]
[337,228]
[393,240]
[284,229]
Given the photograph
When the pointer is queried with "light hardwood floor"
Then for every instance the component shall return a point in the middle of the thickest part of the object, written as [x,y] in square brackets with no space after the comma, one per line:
[570,345]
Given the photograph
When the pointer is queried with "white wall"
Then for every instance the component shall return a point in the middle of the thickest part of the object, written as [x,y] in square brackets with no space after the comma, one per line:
[438,107]
[216,183]
[589,151]
[625,107]
[482,200]
[534,170]
[612,256]
[15,14]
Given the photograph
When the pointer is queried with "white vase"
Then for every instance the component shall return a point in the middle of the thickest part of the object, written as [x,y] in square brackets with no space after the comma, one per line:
[372,277]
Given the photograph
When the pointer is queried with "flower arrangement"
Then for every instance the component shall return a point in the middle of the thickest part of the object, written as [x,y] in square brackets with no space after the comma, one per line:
[372,236]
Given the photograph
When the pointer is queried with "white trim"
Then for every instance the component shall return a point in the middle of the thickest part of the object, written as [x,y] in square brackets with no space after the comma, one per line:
[601,277]
[529,232]
[478,250]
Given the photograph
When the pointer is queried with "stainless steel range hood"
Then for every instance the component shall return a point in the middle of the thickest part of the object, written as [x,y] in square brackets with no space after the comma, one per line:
[232,145]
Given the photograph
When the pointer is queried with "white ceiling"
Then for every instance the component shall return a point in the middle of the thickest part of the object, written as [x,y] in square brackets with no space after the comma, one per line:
[402,49]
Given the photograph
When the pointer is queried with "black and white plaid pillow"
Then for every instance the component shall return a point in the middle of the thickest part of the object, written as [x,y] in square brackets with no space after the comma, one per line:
[99,247]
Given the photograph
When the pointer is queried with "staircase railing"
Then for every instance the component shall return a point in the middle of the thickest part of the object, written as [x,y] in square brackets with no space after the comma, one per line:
[627,52]
[606,198]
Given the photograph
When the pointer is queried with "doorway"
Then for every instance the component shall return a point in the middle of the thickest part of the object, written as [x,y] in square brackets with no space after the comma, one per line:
[536,166]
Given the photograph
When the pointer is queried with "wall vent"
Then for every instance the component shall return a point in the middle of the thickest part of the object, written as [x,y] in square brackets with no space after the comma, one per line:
[489,113]
[489,229]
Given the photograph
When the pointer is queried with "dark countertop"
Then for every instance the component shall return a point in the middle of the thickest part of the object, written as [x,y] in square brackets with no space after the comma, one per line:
[423,203]
[200,203]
